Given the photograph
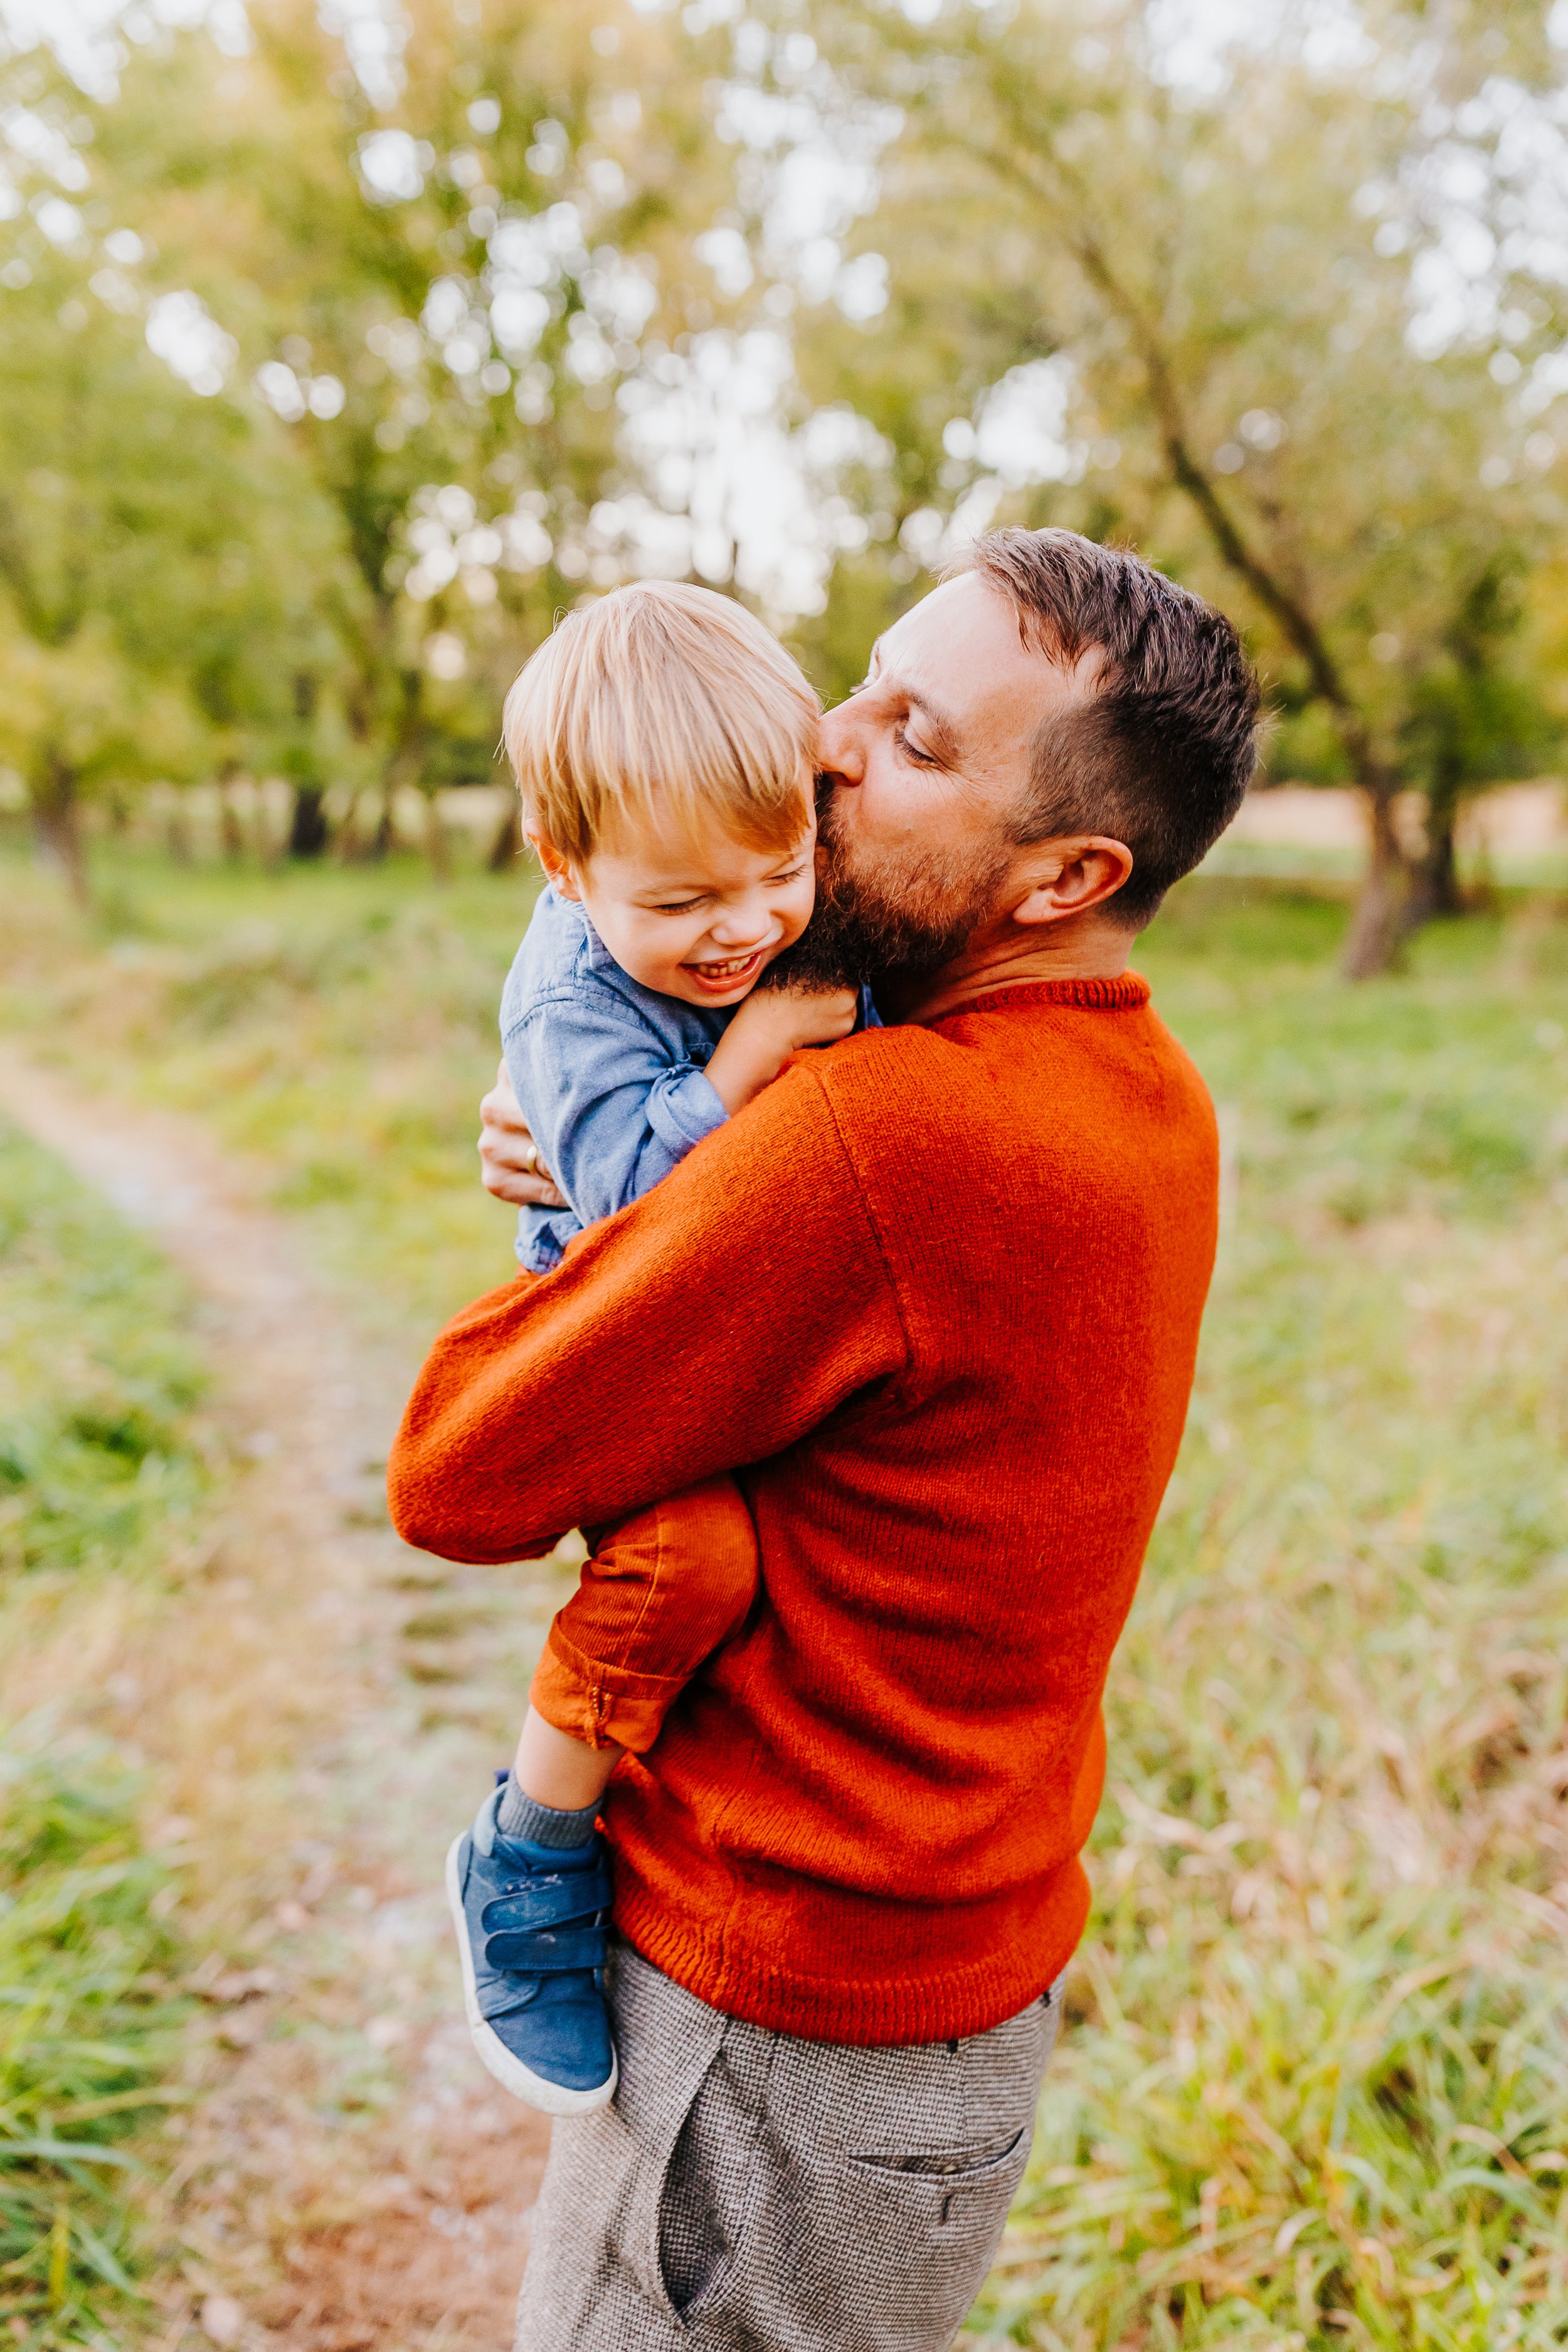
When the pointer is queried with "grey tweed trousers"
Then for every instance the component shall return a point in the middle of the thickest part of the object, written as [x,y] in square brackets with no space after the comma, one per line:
[749,2192]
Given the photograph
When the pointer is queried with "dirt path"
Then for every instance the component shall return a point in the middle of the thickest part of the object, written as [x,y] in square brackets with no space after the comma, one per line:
[318,1706]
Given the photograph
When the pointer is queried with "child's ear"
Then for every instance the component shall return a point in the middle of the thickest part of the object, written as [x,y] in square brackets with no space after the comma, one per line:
[555,866]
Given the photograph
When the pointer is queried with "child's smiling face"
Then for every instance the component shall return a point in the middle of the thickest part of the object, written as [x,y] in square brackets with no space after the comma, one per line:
[697,921]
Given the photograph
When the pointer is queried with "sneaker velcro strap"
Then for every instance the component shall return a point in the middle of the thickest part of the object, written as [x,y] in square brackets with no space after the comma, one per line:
[548,1955]
[574,1895]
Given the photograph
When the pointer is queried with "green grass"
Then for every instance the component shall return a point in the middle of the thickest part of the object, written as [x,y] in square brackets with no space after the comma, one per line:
[98,1467]
[100,1476]
[1315,2091]
[87,2033]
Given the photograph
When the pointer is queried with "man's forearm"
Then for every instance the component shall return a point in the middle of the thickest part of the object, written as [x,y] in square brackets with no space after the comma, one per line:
[692,1334]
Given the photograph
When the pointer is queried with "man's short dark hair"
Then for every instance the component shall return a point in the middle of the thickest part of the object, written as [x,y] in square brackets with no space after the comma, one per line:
[1160,751]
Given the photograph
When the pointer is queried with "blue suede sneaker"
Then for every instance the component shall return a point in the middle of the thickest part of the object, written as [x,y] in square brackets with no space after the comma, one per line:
[530,1923]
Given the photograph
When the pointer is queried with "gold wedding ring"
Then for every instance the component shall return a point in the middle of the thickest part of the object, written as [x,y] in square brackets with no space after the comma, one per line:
[530,1163]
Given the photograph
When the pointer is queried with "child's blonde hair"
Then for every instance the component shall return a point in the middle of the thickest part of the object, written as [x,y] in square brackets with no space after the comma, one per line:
[667,705]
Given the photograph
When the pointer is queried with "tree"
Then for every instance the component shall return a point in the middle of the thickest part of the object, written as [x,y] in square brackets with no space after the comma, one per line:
[1477,715]
[436,269]
[1219,303]
[140,551]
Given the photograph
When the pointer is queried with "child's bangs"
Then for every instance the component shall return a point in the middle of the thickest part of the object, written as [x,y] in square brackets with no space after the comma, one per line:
[691,780]
[669,709]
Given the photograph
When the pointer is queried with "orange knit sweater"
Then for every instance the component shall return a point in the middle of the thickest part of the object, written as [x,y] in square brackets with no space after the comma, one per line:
[934,1296]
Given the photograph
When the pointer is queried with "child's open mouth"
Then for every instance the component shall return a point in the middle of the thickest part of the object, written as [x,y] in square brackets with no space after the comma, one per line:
[727,974]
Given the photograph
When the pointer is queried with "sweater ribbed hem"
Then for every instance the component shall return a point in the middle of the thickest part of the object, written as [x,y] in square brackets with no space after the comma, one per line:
[1126,992]
[862,2012]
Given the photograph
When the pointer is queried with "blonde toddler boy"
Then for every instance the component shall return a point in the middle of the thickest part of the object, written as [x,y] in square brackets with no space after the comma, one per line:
[664,746]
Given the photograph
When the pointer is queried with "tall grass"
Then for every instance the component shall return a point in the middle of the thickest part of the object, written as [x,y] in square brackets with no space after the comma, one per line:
[88,2026]
[100,1475]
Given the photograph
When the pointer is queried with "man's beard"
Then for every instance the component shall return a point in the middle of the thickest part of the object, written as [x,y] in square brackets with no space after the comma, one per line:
[884,919]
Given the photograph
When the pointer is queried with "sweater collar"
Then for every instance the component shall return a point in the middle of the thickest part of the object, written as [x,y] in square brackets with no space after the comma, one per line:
[1127,991]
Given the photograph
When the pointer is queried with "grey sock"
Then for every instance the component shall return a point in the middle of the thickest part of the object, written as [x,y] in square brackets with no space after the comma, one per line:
[517,1816]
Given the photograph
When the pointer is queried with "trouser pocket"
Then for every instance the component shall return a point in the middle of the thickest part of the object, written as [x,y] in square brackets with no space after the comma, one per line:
[935,2222]
[711,2188]
[668,2042]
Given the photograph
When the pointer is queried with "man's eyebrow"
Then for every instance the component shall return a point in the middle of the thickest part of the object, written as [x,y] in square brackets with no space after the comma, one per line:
[946,734]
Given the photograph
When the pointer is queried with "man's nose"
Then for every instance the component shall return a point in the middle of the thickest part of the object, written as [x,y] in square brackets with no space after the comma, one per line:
[841,747]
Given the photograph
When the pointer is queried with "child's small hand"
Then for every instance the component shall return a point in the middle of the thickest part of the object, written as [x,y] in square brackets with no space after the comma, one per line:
[771,1025]
[806,1016]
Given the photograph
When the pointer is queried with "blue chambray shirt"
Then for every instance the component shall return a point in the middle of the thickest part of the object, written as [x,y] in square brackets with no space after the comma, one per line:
[610,1075]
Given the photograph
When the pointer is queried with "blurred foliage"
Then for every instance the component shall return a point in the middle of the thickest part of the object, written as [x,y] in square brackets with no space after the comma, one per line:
[461,313]
[1277,307]
[145,555]
[323,555]
[439,311]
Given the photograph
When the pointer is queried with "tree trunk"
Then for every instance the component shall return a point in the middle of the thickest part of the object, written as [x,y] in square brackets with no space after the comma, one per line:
[177,829]
[57,815]
[438,849]
[231,831]
[348,842]
[406,765]
[364,836]
[507,846]
[1435,887]
[308,826]
[271,839]
[1377,924]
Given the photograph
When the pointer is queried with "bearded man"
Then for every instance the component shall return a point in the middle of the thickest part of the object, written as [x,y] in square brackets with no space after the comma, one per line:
[933,1298]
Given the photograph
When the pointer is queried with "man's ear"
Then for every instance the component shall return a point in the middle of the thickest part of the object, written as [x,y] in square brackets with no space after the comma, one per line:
[1071,876]
[556,868]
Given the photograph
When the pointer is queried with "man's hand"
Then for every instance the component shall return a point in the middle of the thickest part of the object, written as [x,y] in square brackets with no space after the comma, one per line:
[509,1164]
[771,1025]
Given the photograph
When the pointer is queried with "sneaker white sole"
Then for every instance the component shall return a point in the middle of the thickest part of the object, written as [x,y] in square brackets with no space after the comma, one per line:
[533,2089]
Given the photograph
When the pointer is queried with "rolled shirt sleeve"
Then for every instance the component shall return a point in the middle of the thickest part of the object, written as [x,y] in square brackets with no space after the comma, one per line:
[660,1592]
[682,1106]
